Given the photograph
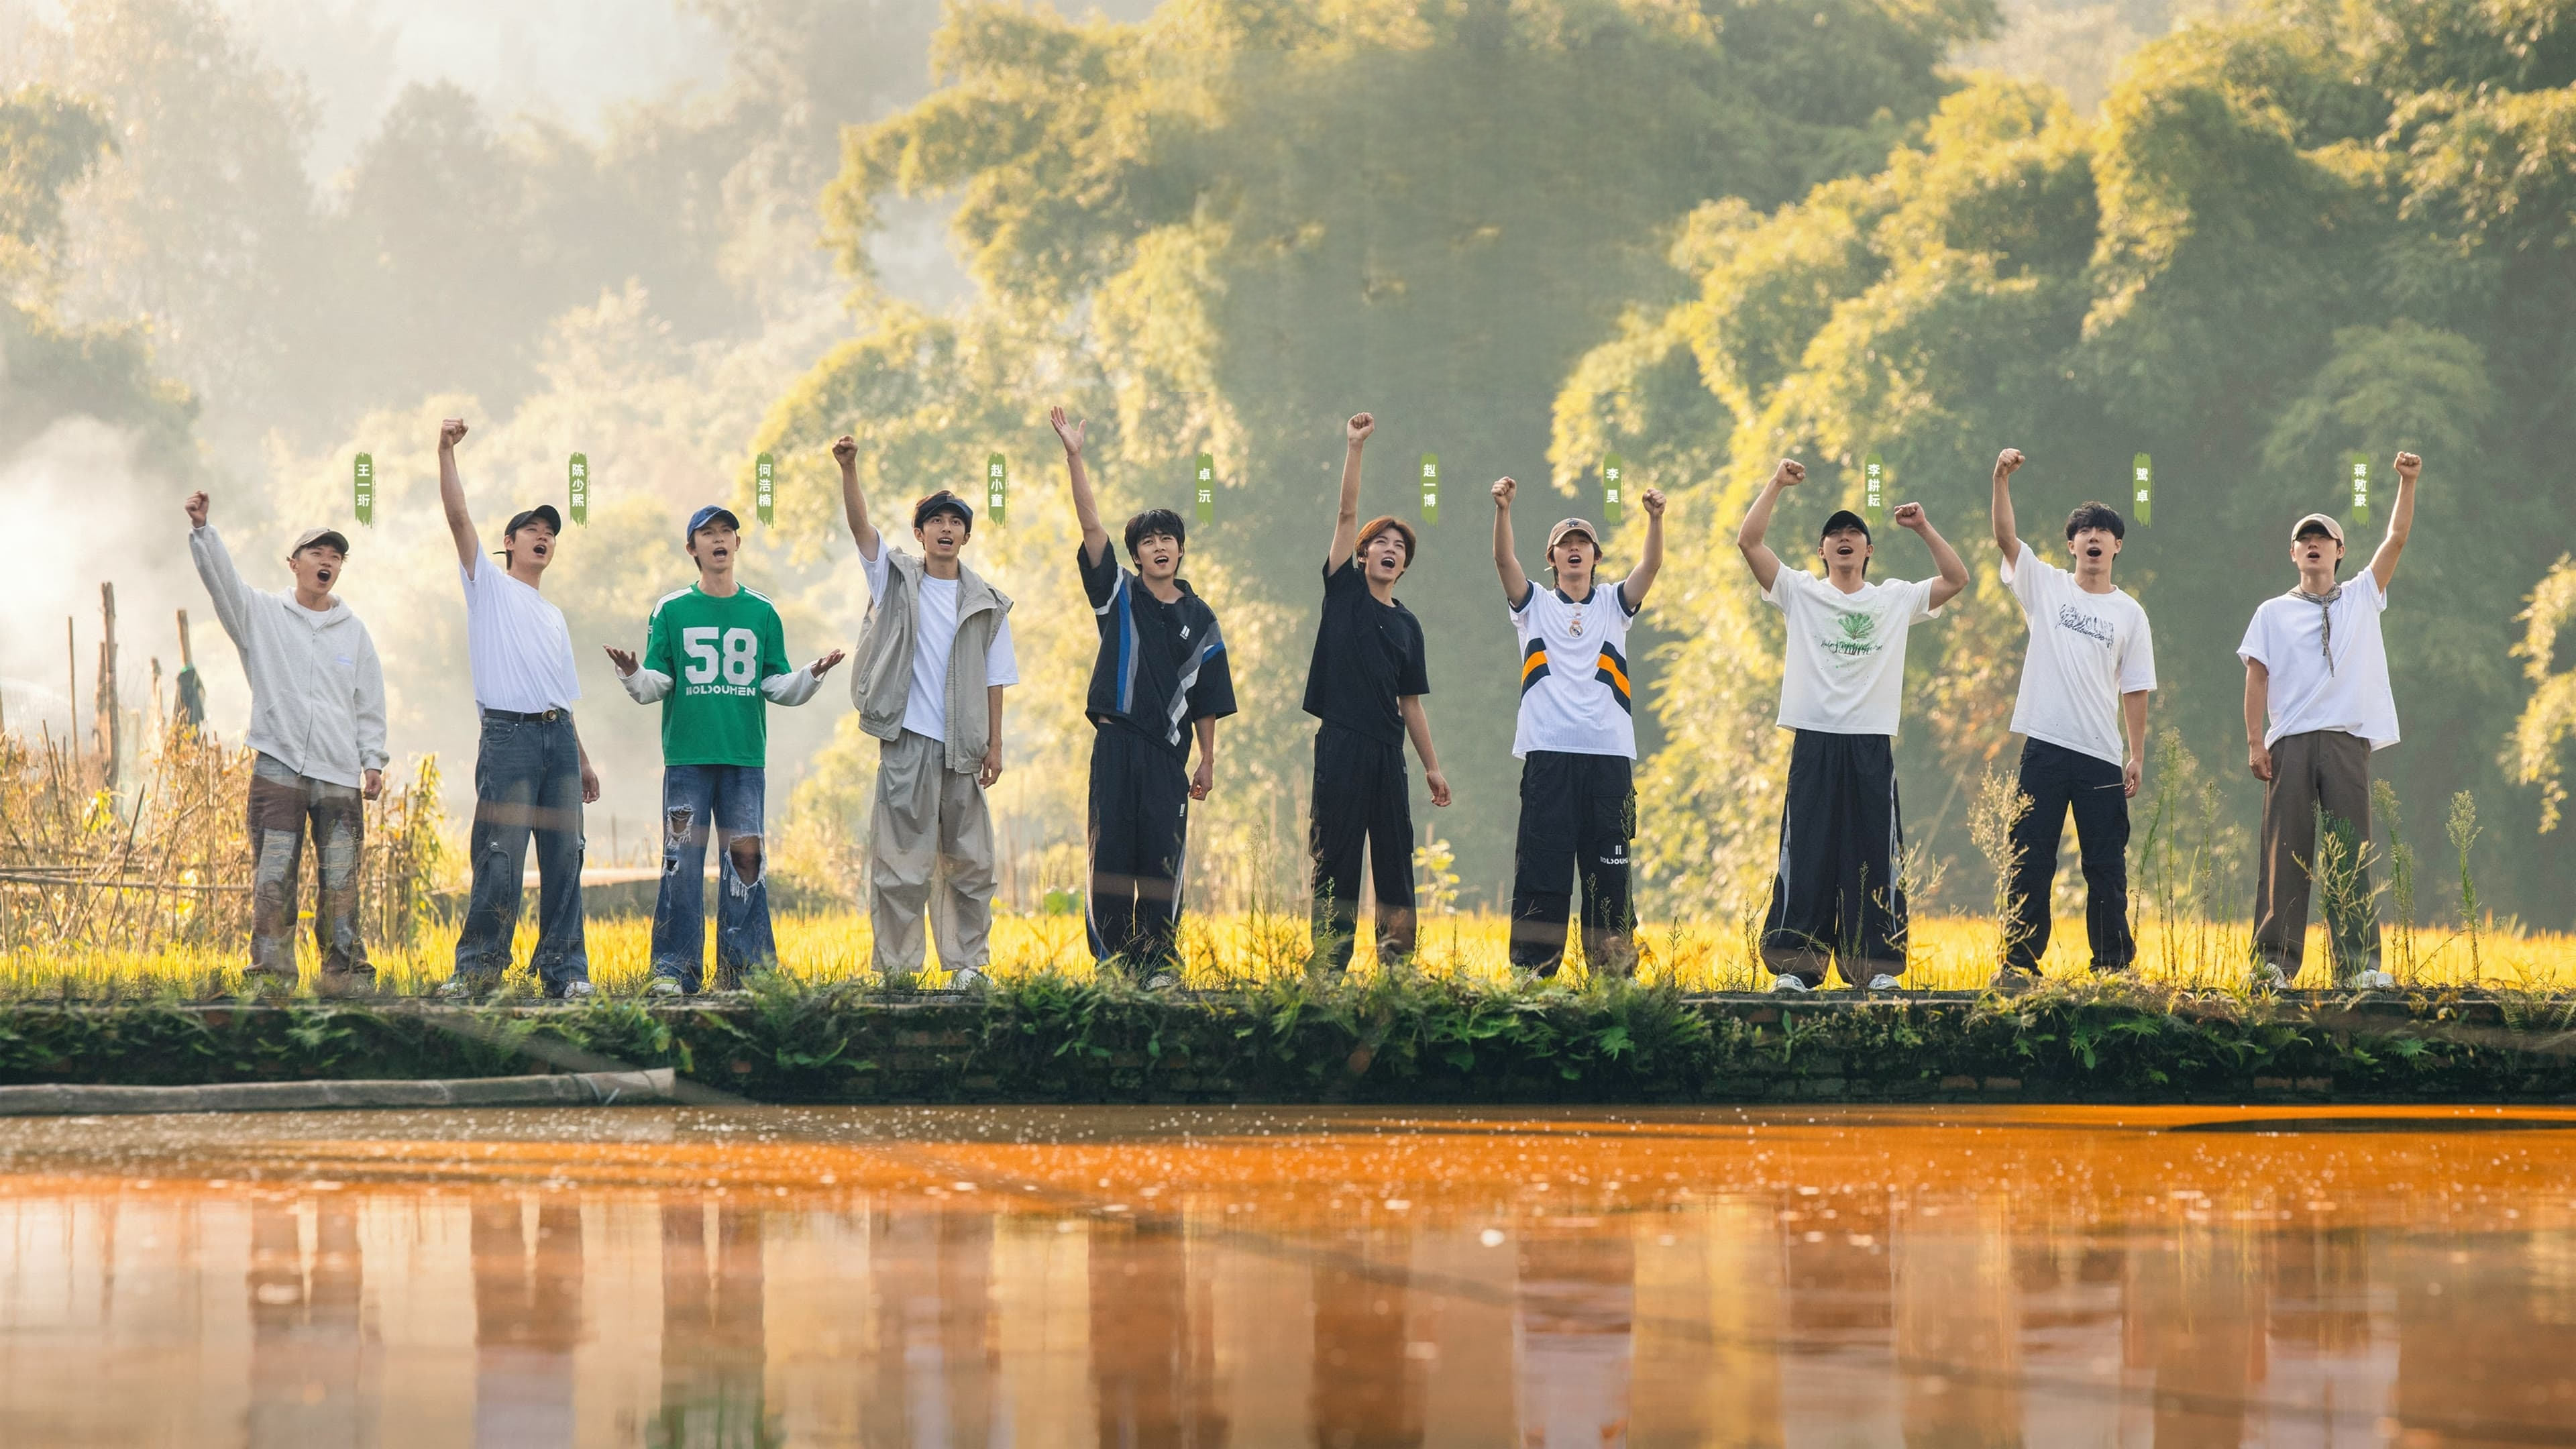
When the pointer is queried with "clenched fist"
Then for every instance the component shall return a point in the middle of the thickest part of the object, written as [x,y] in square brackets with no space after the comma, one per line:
[196,506]
[1361,425]
[1504,488]
[2408,465]
[1789,474]
[1910,515]
[2007,461]
[845,451]
[451,431]
[1653,498]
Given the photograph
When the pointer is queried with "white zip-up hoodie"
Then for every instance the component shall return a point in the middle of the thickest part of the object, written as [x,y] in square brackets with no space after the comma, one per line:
[317,693]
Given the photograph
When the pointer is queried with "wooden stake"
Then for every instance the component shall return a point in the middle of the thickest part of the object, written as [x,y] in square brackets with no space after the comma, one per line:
[111,719]
[71,683]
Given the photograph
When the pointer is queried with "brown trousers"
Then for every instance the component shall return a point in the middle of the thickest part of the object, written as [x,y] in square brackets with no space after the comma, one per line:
[2325,770]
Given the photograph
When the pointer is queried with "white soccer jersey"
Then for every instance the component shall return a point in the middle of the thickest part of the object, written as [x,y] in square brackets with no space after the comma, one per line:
[1574,673]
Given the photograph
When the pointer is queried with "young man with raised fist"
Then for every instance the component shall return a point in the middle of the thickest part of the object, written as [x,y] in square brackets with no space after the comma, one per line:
[531,775]
[2317,705]
[2084,680]
[1837,896]
[715,657]
[1576,740]
[1365,685]
[1160,681]
[317,736]
[934,658]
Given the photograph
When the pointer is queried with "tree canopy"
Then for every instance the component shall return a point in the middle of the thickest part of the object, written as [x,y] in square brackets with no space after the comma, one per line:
[2324,230]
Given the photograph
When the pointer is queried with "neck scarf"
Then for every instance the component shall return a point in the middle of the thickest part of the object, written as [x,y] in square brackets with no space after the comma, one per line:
[2324,603]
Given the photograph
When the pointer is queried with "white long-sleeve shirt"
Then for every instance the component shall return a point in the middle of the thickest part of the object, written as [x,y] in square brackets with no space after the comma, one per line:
[317,691]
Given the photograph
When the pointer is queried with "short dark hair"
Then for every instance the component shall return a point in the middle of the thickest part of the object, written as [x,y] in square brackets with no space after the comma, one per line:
[2095,515]
[1389,523]
[1153,521]
[943,501]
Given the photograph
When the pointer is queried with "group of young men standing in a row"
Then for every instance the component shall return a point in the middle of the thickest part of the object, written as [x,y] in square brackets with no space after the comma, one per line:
[936,655]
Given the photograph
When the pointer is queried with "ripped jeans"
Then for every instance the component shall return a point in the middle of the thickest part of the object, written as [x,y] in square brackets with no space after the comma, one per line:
[730,798]
[283,806]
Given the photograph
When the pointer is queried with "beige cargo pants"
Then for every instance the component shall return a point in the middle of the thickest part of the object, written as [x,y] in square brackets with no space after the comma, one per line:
[930,846]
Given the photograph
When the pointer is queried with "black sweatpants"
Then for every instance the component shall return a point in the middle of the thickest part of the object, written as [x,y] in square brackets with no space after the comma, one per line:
[1836,896]
[1361,798]
[1139,834]
[1578,813]
[2057,780]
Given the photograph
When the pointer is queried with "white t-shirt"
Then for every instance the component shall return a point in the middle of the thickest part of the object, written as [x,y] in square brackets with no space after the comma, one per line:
[934,634]
[2287,637]
[1574,673]
[1845,669]
[517,643]
[2086,650]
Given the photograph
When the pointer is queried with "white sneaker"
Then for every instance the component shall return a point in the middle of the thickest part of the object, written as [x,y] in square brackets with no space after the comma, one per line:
[2268,977]
[968,978]
[1789,983]
[2372,981]
[1162,981]
[577,991]
[665,986]
[1884,982]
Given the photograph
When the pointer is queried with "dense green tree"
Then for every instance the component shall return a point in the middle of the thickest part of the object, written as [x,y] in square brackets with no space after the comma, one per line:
[1229,226]
[50,370]
[2326,229]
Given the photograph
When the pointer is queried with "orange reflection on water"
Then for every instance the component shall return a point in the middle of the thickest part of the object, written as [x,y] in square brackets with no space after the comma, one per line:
[1263,1276]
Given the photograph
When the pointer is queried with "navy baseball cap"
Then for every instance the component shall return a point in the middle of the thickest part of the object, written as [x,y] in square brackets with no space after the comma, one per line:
[940,502]
[1843,518]
[543,513]
[712,513]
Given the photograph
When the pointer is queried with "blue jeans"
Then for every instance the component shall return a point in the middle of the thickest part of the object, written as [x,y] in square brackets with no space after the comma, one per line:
[527,781]
[729,798]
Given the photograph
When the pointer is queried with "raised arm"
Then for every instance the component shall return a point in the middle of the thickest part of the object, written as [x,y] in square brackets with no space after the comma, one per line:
[1632,589]
[451,495]
[1346,523]
[215,567]
[2007,534]
[1516,584]
[2401,521]
[1757,523]
[1086,509]
[854,504]
[1954,570]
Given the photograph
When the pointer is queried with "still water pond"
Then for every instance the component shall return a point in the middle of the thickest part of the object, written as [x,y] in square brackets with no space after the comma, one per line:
[1271,1277]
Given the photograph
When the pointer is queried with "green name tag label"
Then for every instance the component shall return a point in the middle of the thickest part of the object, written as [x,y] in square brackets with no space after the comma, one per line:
[580,478]
[1873,488]
[1431,488]
[1614,487]
[365,481]
[2142,487]
[1207,487]
[2357,468]
[764,487]
[997,486]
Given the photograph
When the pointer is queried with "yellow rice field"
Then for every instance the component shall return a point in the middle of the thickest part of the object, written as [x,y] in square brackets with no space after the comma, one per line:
[1949,953]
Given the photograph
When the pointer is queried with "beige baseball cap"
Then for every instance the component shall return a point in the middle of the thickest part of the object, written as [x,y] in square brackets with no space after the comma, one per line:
[2333,529]
[329,536]
[1582,526]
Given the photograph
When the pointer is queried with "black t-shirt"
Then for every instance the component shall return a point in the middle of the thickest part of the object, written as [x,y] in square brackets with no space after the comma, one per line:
[1367,655]
[1161,665]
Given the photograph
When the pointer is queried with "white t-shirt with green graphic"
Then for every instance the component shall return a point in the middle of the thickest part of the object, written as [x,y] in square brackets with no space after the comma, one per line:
[716,652]
[1845,669]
